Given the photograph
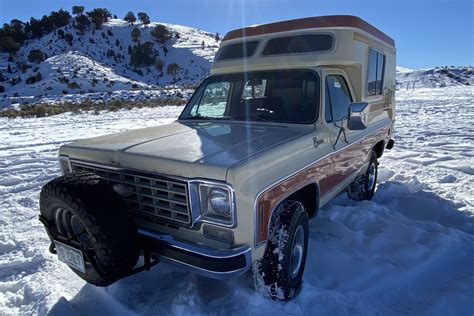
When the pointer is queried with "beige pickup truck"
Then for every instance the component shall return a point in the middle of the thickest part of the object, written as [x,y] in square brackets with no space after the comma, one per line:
[293,114]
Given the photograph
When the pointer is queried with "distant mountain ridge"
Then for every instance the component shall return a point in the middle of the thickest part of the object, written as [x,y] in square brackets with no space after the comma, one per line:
[99,61]
[438,77]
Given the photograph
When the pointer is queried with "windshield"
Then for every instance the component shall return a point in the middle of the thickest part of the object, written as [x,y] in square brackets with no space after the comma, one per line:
[289,96]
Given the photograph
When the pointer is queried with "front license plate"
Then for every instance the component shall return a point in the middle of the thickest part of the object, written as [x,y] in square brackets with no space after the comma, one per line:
[71,256]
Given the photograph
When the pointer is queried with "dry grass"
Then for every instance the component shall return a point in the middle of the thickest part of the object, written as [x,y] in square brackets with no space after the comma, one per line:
[42,110]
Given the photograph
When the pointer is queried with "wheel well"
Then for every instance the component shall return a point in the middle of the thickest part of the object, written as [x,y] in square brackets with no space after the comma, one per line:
[309,197]
[379,148]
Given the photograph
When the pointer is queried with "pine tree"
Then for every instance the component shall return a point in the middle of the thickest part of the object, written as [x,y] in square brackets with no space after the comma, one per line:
[130,17]
[173,70]
[77,10]
[144,18]
[161,33]
[99,16]
[136,34]
[159,64]
[82,23]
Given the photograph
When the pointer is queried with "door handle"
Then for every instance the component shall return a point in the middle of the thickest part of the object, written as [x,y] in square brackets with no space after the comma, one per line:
[317,142]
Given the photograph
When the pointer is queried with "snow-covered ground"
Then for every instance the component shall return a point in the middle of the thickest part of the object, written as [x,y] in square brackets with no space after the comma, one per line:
[409,251]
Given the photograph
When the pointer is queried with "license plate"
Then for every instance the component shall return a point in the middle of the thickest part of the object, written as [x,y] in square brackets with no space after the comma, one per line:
[71,256]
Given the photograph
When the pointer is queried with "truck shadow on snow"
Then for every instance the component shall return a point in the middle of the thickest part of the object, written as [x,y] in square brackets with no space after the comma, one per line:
[354,247]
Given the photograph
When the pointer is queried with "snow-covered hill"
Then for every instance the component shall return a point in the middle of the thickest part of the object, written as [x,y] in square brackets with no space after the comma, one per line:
[99,61]
[409,251]
[434,77]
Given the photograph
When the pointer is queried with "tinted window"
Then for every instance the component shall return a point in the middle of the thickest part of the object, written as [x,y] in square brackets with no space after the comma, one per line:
[380,72]
[375,72]
[372,73]
[338,98]
[298,44]
[238,50]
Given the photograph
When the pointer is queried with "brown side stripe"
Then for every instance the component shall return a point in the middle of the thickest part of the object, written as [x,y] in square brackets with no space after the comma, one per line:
[328,173]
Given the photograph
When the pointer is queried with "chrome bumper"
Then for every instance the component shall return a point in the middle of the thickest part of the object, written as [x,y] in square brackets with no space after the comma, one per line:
[217,264]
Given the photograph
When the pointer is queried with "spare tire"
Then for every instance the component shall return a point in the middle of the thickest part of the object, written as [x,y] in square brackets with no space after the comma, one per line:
[84,209]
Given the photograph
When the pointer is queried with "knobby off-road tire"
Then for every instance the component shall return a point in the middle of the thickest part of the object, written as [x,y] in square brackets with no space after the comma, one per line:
[84,208]
[278,274]
[363,187]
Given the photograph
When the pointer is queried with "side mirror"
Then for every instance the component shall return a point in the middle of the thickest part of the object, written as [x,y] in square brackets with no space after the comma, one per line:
[358,116]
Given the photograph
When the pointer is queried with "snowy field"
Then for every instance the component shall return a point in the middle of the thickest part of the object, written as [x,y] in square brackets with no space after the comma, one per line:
[410,251]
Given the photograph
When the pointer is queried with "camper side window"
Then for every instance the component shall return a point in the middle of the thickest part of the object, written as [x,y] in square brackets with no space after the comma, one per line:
[338,98]
[375,72]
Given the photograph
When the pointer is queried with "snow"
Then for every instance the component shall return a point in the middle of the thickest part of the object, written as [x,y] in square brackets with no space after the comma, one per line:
[403,70]
[408,251]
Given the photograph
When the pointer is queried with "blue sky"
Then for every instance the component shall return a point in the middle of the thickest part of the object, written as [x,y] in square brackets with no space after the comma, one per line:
[428,33]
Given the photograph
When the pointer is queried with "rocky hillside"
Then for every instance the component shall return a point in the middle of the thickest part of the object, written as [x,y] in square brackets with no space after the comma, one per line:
[438,77]
[116,59]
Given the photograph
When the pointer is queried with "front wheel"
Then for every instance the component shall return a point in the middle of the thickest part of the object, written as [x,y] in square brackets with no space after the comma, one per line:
[363,187]
[279,273]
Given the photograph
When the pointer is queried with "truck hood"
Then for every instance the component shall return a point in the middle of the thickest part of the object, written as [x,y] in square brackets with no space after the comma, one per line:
[187,149]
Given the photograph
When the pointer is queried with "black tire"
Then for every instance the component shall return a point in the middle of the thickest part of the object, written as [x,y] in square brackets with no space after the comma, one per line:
[273,275]
[363,187]
[84,202]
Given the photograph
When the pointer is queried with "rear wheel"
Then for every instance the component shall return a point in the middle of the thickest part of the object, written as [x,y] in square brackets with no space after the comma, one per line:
[83,211]
[363,187]
[279,273]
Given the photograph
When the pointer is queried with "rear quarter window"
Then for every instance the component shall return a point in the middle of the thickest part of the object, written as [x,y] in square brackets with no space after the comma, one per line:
[237,50]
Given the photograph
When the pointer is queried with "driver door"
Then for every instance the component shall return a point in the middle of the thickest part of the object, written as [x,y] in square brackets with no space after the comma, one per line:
[347,157]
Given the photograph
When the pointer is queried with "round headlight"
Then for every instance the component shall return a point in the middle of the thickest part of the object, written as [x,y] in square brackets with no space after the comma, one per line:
[220,202]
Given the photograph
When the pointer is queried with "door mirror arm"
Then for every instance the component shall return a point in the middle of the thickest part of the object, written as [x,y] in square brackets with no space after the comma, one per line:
[342,131]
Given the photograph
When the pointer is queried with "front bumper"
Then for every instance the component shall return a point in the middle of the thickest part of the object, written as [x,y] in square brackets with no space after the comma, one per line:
[217,264]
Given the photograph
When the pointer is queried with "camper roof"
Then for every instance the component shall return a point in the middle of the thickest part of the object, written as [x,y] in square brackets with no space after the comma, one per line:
[310,23]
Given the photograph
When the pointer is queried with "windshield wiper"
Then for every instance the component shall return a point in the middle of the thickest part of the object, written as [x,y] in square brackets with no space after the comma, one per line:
[202,117]
[253,117]
[199,117]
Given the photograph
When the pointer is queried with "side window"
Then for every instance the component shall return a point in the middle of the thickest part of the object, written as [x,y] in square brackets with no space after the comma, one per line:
[338,98]
[213,100]
[375,73]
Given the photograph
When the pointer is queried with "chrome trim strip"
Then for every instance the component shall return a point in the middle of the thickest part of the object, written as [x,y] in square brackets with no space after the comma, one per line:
[204,272]
[228,187]
[256,224]
[202,251]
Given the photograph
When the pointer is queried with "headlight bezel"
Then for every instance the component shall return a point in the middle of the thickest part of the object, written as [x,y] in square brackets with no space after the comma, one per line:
[206,215]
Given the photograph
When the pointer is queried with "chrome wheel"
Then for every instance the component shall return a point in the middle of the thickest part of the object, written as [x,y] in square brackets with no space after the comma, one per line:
[371,175]
[297,249]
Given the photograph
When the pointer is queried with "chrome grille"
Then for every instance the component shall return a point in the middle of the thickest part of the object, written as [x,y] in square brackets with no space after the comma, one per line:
[157,197]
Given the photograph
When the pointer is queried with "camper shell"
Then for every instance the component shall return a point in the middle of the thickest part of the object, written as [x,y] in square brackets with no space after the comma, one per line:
[352,42]
[292,114]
